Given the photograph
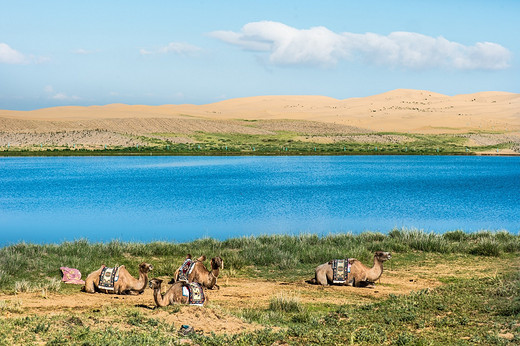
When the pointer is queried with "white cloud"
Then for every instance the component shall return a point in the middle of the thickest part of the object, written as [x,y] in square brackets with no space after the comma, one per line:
[173,47]
[320,46]
[81,51]
[11,56]
[59,95]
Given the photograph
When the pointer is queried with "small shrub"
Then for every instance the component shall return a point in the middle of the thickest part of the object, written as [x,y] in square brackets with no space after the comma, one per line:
[285,304]
[173,309]
[22,286]
[457,235]
[486,247]
[53,285]
[11,306]
[395,234]
[41,327]
[405,339]
[373,334]
[135,318]
[301,317]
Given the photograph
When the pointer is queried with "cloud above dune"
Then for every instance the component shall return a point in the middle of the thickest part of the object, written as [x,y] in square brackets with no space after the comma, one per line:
[61,96]
[9,55]
[320,46]
[179,48]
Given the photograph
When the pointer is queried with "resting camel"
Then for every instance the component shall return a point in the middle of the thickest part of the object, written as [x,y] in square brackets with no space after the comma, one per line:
[172,296]
[126,284]
[359,276]
[200,274]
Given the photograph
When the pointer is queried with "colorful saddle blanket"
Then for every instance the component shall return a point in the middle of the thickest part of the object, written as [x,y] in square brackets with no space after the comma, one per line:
[185,270]
[108,277]
[195,293]
[71,276]
[340,270]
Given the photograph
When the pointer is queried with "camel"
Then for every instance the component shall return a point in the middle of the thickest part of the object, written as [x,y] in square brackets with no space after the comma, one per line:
[126,284]
[172,296]
[200,274]
[359,276]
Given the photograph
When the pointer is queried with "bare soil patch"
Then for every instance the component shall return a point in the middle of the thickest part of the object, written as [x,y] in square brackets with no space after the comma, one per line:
[240,293]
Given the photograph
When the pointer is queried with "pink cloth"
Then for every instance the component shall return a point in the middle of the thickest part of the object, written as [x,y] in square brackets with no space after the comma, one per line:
[71,276]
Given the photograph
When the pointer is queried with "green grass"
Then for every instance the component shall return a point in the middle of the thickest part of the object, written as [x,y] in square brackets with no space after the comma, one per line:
[279,143]
[462,311]
[269,254]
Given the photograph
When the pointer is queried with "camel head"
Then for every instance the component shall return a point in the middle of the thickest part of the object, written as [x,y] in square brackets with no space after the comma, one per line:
[201,258]
[145,267]
[217,263]
[382,256]
[155,283]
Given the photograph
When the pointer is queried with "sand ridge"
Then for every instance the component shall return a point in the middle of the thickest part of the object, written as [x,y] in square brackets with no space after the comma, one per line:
[401,110]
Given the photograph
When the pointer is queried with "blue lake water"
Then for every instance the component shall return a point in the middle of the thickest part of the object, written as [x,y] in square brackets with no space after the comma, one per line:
[52,199]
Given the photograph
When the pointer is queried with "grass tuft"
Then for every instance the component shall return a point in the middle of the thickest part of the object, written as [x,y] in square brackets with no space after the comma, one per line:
[285,304]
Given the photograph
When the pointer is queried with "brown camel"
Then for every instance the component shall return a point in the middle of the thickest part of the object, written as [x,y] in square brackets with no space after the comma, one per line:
[172,296]
[359,276]
[126,284]
[202,275]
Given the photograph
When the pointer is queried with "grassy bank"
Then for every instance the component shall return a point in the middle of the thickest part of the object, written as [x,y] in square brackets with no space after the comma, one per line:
[282,143]
[289,255]
[463,310]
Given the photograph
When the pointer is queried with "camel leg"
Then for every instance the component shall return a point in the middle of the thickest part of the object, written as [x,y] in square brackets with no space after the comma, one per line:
[321,278]
[89,286]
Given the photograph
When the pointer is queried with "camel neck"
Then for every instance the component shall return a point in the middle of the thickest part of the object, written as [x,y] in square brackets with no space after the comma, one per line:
[213,274]
[142,281]
[375,272]
[158,297]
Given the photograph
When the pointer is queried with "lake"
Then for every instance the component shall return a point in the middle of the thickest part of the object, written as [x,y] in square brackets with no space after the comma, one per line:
[52,199]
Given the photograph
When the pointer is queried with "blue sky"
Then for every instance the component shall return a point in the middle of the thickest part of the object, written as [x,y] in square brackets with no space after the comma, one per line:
[57,53]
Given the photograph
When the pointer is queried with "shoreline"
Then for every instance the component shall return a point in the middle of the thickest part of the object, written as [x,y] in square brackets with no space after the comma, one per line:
[93,153]
[379,235]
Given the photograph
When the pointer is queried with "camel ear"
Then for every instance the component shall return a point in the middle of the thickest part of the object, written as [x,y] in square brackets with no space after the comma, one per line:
[221,263]
[201,258]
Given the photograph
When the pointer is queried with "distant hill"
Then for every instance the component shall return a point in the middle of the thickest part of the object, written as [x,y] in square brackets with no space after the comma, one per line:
[402,110]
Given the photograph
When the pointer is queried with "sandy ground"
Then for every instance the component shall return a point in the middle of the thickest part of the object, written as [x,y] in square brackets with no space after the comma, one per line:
[317,118]
[238,293]
[402,110]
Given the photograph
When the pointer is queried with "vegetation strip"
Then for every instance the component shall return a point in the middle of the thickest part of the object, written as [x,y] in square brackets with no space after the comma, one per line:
[471,307]
[282,143]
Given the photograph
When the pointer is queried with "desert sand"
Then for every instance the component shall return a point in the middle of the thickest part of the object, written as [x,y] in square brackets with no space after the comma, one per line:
[403,111]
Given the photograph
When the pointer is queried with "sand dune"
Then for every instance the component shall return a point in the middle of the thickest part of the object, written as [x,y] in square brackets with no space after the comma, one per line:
[401,110]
